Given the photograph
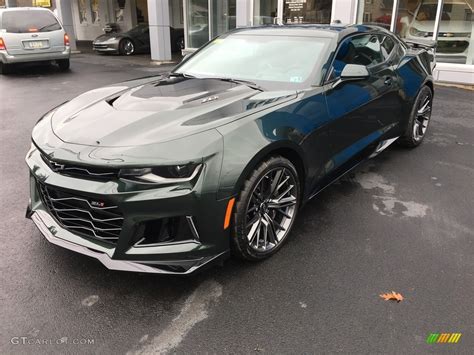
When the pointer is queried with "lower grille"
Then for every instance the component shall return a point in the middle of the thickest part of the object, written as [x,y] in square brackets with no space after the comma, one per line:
[100,46]
[452,46]
[81,215]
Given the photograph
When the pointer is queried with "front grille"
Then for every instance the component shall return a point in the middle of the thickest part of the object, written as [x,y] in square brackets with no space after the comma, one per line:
[88,172]
[82,215]
[100,46]
[451,46]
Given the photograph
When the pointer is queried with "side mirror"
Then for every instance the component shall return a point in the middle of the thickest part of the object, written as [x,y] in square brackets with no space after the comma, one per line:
[354,71]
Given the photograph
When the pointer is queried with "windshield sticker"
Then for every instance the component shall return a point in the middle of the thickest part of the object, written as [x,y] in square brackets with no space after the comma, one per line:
[296,79]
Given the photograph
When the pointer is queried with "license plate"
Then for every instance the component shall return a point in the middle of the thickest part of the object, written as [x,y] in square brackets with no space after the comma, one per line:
[36,44]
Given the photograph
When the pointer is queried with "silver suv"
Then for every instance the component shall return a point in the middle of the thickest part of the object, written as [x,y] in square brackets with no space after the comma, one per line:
[32,35]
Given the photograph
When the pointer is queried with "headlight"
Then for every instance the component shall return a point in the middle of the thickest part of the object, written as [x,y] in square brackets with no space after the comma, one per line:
[418,33]
[162,174]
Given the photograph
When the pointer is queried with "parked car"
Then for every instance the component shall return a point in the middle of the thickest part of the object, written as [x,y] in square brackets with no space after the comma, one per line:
[32,35]
[168,174]
[454,29]
[136,40]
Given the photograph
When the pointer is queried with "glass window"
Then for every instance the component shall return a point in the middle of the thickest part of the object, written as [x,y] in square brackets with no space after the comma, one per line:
[307,11]
[82,11]
[363,50]
[265,60]
[455,43]
[264,12]
[95,11]
[119,8]
[223,16]
[387,46]
[198,23]
[376,12]
[25,21]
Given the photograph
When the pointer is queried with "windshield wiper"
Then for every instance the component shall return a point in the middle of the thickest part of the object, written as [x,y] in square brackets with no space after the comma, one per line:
[46,26]
[181,75]
[247,83]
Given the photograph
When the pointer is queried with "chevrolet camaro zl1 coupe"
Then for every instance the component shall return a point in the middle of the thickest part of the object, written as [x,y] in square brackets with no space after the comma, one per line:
[171,173]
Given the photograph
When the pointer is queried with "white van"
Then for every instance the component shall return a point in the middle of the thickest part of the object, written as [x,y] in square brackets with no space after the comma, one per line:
[32,35]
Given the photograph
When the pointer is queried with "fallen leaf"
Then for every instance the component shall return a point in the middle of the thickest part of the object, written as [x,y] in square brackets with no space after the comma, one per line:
[392,296]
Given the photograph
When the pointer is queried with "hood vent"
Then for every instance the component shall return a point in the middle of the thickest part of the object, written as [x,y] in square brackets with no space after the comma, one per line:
[111,100]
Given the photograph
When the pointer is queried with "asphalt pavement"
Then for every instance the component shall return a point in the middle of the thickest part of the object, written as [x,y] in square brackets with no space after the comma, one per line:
[403,222]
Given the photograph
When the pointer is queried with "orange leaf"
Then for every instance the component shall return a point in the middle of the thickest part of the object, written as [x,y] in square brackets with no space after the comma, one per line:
[392,296]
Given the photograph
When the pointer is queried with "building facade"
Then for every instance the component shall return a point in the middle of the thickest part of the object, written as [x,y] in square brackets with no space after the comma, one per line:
[449,23]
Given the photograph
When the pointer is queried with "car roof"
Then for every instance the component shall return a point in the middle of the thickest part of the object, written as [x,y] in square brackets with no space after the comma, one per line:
[337,32]
[7,9]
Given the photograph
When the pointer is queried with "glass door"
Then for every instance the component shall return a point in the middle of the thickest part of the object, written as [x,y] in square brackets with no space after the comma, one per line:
[264,12]
[223,16]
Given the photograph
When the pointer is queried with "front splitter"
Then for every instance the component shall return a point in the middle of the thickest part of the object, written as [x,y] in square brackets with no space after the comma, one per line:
[43,219]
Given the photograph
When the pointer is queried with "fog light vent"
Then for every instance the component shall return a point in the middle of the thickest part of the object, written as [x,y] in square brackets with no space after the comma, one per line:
[167,230]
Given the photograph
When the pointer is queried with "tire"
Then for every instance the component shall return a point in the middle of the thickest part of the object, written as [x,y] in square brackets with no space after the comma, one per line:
[5,68]
[63,64]
[126,47]
[419,120]
[259,213]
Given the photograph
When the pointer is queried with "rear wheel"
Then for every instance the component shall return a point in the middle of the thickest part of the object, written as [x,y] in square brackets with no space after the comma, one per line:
[266,209]
[5,68]
[63,64]
[126,47]
[419,119]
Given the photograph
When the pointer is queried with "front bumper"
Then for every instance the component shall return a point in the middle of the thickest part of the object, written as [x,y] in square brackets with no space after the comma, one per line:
[34,57]
[137,207]
[49,228]
[106,47]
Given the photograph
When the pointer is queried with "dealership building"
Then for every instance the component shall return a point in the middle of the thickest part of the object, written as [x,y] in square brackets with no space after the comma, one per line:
[448,22]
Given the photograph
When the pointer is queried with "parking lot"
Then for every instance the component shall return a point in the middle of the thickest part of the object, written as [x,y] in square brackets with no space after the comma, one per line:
[403,222]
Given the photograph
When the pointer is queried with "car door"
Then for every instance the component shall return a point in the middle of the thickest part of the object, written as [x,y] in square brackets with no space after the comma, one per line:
[359,109]
[145,39]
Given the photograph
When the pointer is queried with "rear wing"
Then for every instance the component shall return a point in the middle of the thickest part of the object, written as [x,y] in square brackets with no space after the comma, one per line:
[429,47]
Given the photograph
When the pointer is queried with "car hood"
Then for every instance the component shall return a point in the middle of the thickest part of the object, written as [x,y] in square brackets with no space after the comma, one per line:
[156,111]
[107,36]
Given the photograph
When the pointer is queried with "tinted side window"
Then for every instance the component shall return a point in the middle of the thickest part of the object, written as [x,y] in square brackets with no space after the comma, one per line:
[387,46]
[24,21]
[362,50]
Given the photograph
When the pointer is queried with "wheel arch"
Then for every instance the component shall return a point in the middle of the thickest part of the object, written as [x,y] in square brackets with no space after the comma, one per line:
[286,149]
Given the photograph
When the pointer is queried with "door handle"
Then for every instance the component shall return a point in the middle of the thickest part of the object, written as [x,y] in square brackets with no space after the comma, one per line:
[388,81]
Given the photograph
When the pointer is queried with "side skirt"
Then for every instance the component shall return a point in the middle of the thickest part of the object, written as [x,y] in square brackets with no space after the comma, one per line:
[382,145]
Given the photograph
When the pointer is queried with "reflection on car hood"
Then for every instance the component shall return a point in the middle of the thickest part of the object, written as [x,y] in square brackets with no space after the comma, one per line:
[156,111]
[108,36]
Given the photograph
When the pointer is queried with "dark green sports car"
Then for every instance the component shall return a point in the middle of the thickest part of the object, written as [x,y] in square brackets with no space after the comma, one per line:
[168,174]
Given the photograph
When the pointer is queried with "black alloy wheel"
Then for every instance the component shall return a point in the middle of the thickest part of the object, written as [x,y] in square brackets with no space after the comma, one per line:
[126,47]
[419,119]
[266,209]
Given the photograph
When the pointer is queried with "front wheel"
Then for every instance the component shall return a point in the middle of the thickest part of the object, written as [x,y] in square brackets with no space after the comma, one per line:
[419,119]
[266,209]
[126,47]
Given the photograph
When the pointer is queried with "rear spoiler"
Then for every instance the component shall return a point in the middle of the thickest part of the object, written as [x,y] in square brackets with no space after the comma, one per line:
[430,51]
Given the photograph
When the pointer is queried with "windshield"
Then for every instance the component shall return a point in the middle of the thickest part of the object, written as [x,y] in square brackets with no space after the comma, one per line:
[138,29]
[24,21]
[451,12]
[280,62]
